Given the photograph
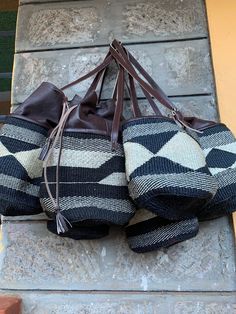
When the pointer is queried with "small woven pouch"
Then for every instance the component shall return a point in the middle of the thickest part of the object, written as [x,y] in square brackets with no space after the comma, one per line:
[21,139]
[85,183]
[165,166]
[154,233]
[219,146]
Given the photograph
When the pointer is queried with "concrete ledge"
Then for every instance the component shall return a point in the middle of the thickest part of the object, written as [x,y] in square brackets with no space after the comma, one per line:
[32,258]
[180,68]
[127,303]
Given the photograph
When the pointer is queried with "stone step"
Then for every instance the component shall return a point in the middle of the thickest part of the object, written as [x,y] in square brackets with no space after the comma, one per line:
[181,68]
[32,258]
[127,303]
[97,22]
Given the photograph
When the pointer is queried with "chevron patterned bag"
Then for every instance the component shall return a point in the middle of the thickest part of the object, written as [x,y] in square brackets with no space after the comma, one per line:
[21,140]
[84,178]
[219,146]
[165,166]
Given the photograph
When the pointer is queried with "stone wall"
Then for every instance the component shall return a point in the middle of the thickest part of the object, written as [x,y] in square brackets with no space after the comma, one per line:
[59,41]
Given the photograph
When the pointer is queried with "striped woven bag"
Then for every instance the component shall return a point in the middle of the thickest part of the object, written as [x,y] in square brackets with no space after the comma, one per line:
[165,166]
[85,183]
[21,140]
[219,146]
[157,228]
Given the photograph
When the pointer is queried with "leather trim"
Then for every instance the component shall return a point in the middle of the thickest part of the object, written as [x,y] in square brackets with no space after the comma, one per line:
[200,124]
[44,105]
[27,119]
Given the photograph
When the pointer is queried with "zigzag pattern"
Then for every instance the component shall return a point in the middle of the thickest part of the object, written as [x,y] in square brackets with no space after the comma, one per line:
[166,168]
[93,184]
[219,147]
[20,168]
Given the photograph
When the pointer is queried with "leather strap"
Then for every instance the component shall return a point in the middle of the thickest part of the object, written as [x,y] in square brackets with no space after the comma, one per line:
[108,59]
[126,55]
[133,97]
[118,110]
[161,97]
[129,57]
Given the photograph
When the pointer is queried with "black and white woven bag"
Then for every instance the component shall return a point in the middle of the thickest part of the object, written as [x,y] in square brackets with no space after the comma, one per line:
[85,182]
[219,146]
[165,166]
[21,139]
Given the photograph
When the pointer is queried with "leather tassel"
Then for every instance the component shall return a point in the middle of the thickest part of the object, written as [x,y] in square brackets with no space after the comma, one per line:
[45,149]
[62,223]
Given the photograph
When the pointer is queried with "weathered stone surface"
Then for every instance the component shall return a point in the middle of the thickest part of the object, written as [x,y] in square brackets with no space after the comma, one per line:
[180,68]
[83,23]
[34,259]
[200,106]
[129,303]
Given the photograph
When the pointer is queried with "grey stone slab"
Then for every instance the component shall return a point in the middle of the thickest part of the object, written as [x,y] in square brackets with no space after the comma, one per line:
[127,303]
[181,68]
[32,258]
[85,23]
[199,106]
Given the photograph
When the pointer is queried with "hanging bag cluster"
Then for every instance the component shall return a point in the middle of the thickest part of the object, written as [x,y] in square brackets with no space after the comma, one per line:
[95,169]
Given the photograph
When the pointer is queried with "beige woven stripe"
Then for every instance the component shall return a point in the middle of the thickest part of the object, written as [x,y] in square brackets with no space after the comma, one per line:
[216,139]
[80,158]
[22,134]
[19,185]
[162,233]
[148,129]
[200,181]
[70,202]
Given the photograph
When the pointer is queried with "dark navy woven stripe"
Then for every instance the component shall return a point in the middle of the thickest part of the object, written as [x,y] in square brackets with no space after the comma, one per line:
[165,244]
[169,206]
[72,174]
[80,232]
[161,165]
[10,166]
[26,124]
[15,146]
[153,142]
[17,199]
[97,214]
[84,135]
[220,159]
[88,189]
[156,233]
[146,226]
[146,120]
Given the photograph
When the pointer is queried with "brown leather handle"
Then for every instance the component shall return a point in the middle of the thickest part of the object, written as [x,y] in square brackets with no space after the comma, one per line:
[119,108]
[95,83]
[155,92]
[125,54]
[108,59]
[128,57]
